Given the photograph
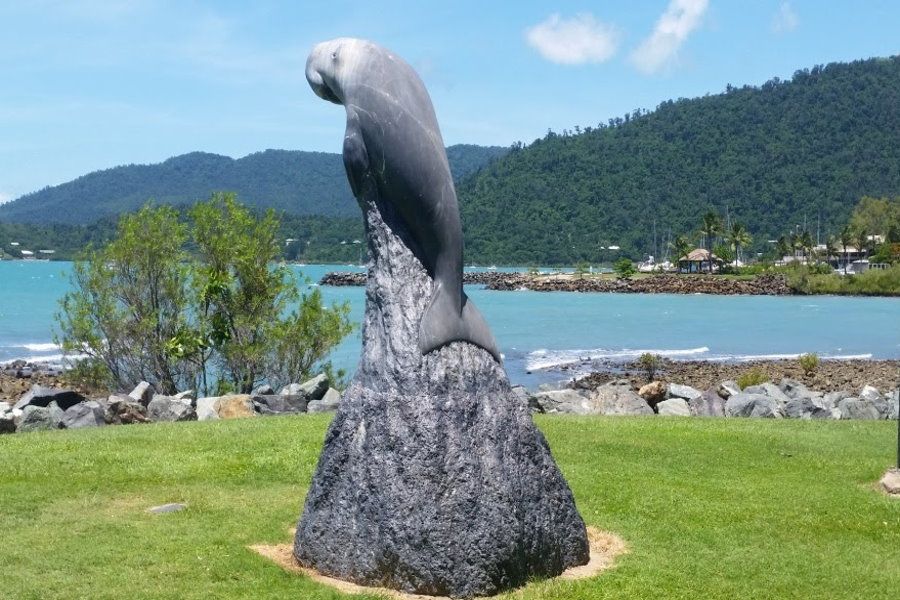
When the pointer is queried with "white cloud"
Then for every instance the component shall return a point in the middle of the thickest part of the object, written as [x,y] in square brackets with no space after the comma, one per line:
[4,198]
[672,29]
[581,39]
[785,19]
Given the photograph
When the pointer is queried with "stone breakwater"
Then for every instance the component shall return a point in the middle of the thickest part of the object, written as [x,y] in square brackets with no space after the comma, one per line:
[47,407]
[766,284]
[788,398]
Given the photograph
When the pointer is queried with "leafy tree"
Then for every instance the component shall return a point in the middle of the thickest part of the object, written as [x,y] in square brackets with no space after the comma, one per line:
[624,268]
[144,308]
[129,300]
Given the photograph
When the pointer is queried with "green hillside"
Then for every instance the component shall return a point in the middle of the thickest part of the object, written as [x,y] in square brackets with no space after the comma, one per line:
[294,182]
[772,157]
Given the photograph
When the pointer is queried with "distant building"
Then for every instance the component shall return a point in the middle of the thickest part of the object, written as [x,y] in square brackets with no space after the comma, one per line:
[698,261]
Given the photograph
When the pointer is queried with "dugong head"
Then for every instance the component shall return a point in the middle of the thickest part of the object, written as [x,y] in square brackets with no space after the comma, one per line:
[330,67]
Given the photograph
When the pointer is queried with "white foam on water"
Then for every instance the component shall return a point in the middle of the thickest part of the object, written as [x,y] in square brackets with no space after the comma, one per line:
[40,347]
[544,359]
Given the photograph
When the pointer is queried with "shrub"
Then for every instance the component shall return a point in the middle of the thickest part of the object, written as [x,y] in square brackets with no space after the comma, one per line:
[624,268]
[809,362]
[650,363]
[754,376]
[223,318]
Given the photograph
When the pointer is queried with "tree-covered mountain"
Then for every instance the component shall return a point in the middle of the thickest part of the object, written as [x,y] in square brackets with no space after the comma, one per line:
[788,153]
[293,182]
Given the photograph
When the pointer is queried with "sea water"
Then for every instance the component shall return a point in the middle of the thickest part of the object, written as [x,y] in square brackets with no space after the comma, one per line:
[548,336]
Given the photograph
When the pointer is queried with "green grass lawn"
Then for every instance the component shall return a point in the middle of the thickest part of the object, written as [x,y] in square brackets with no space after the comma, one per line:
[718,508]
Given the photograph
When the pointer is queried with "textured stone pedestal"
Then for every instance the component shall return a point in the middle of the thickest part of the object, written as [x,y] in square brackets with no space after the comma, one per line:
[433,478]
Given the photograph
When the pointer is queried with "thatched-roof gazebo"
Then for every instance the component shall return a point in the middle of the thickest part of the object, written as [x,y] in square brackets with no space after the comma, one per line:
[698,261]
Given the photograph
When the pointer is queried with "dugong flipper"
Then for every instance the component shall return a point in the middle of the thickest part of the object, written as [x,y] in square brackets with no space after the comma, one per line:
[393,138]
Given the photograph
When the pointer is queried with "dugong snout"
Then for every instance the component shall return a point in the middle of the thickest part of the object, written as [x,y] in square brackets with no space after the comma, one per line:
[321,70]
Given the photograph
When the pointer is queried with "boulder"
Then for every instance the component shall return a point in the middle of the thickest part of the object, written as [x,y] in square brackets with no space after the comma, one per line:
[685,392]
[891,481]
[522,394]
[753,405]
[315,388]
[653,392]
[563,401]
[231,406]
[617,398]
[85,414]
[263,390]
[870,393]
[805,408]
[167,408]
[793,388]
[728,388]
[206,409]
[35,418]
[291,389]
[125,410]
[185,395]
[57,414]
[673,407]
[5,407]
[768,389]
[7,423]
[42,396]
[833,398]
[276,404]
[142,392]
[857,408]
[329,402]
[235,406]
[894,405]
[708,404]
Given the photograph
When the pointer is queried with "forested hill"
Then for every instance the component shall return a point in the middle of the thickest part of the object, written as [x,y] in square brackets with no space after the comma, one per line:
[770,156]
[295,182]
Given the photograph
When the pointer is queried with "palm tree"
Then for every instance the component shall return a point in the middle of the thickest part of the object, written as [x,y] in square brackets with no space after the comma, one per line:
[710,228]
[846,238]
[830,248]
[682,246]
[783,246]
[861,237]
[806,244]
[738,238]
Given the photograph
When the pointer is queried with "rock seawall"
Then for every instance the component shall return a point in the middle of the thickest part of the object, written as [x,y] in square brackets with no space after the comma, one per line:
[766,284]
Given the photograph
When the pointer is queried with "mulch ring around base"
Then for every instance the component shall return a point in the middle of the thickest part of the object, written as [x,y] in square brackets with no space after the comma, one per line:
[605,548]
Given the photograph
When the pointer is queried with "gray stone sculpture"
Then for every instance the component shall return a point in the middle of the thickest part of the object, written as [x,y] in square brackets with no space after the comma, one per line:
[433,478]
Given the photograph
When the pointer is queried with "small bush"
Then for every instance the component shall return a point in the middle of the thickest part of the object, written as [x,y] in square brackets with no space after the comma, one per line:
[650,363]
[809,362]
[624,268]
[754,376]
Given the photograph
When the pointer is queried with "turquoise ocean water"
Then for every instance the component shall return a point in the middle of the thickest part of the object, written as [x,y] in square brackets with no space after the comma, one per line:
[548,336]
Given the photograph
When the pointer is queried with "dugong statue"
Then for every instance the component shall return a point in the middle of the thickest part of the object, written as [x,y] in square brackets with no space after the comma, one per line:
[393,138]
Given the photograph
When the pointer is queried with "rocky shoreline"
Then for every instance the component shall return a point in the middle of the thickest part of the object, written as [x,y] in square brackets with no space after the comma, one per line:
[858,390]
[766,284]
[37,397]
[829,376]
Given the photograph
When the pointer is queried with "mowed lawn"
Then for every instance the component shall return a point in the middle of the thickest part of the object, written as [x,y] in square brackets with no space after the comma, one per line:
[717,508]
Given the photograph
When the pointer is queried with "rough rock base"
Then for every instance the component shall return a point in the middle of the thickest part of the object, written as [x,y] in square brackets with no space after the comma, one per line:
[433,478]
[605,548]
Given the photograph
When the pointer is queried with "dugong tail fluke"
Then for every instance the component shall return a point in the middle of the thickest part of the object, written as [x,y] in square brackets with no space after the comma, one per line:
[437,329]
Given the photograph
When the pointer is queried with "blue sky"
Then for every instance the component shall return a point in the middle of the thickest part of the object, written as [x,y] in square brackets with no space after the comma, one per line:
[87,84]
